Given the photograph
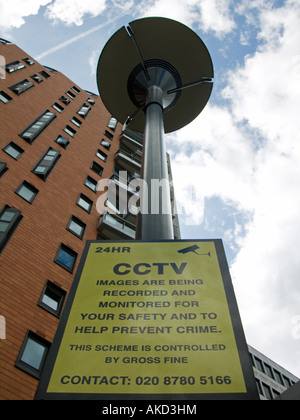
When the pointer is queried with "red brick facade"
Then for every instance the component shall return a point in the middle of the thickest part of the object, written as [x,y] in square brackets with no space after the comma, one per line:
[27,260]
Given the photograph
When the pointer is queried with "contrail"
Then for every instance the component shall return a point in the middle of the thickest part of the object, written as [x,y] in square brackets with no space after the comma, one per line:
[76,38]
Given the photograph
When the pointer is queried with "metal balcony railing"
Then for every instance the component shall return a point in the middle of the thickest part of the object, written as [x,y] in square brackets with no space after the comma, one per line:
[131,142]
[114,227]
[128,161]
[121,183]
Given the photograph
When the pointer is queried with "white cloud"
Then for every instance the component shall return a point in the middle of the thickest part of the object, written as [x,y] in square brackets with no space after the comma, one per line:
[208,15]
[12,13]
[266,89]
[213,150]
[93,60]
[249,156]
[265,93]
[122,5]
[73,12]
[68,12]
[216,16]
[173,9]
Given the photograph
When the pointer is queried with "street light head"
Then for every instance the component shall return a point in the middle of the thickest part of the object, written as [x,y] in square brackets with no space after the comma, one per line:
[161,52]
[156,73]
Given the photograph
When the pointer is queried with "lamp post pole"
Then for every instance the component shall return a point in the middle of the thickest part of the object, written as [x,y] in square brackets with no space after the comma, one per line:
[155,217]
[166,72]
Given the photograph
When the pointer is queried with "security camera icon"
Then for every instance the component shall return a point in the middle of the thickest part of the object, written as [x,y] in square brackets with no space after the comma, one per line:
[192,248]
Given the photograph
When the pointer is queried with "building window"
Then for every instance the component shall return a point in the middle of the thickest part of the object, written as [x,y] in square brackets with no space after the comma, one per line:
[76,226]
[38,126]
[3,168]
[76,90]
[91,101]
[101,155]
[58,107]
[85,203]
[112,124]
[70,94]
[97,168]
[62,141]
[105,144]
[286,381]
[21,87]
[267,391]
[91,183]
[76,121]
[37,78]
[27,191]
[69,130]
[14,66]
[84,110]
[65,100]
[114,206]
[259,388]
[45,74]
[66,258]
[47,163]
[4,97]
[33,354]
[28,61]
[108,135]
[52,298]
[251,358]
[278,377]
[13,150]
[9,220]
[269,371]
[259,364]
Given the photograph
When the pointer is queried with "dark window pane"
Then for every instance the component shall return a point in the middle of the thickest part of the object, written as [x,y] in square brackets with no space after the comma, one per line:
[66,257]
[267,391]
[33,353]
[52,298]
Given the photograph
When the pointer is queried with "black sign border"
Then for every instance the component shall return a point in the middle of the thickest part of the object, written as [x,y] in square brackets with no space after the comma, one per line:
[250,394]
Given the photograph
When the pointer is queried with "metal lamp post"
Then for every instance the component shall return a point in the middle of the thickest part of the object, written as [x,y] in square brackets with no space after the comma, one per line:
[155,74]
[157,222]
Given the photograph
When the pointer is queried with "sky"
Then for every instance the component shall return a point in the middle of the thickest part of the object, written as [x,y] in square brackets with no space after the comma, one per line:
[240,157]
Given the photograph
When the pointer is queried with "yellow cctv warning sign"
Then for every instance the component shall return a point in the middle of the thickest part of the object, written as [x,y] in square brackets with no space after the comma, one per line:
[150,319]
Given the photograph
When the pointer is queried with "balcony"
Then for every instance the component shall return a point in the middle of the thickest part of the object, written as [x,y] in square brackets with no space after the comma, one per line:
[84,110]
[132,141]
[127,214]
[114,227]
[22,86]
[121,183]
[122,199]
[128,161]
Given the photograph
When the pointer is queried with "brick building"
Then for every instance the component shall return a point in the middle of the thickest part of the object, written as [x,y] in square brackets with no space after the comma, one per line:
[57,141]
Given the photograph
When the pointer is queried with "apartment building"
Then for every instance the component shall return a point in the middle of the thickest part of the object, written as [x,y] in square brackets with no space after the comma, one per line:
[57,142]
